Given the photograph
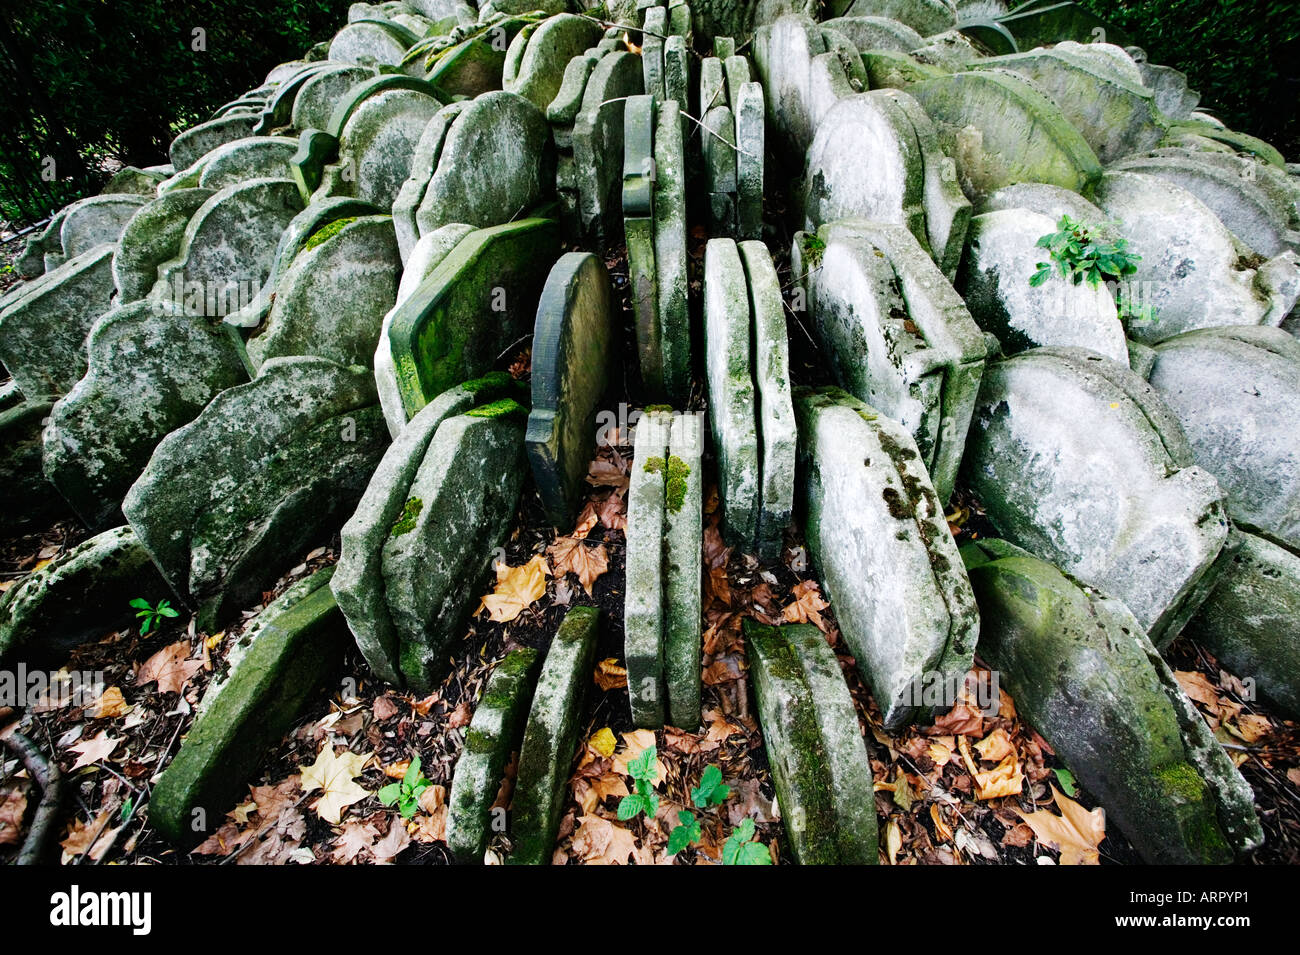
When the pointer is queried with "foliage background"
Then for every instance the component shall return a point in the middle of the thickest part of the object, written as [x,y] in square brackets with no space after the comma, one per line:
[1243,56]
[86,80]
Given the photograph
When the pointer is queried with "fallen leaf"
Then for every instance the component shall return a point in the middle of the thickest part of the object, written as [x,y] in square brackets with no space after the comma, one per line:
[110,705]
[94,749]
[893,842]
[334,776]
[1076,832]
[13,805]
[169,667]
[1199,688]
[572,555]
[93,839]
[603,741]
[599,842]
[807,604]
[610,676]
[942,830]
[384,708]
[516,589]
[996,746]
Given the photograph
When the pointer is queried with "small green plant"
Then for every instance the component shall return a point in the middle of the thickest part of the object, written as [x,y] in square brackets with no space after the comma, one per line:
[685,834]
[1084,253]
[151,615]
[406,794]
[644,799]
[741,848]
[711,791]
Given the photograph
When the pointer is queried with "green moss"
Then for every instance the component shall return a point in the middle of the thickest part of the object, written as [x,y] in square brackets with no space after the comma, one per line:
[493,381]
[327,232]
[405,522]
[653,465]
[675,489]
[498,409]
[813,247]
[662,409]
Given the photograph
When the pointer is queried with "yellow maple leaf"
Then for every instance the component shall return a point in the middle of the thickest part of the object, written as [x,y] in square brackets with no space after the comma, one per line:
[516,588]
[1076,832]
[335,777]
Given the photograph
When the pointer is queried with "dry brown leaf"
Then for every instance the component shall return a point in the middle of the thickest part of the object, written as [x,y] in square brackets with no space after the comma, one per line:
[603,473]
[335,777]
[609,675]
[572,555]
[942,831]
[384,708]
[169,667]
[1197,686]
[996,746]
[516,589]
[94,749]
[1251,727]
[13,805]
[110,705]
[1004,780]
[1076,832]
[806,606]
[94,839]
[600,842]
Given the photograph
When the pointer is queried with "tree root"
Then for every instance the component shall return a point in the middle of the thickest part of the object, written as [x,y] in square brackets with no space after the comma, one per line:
[47,776]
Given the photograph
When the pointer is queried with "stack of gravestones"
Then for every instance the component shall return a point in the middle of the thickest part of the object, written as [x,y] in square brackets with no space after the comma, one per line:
[732,147]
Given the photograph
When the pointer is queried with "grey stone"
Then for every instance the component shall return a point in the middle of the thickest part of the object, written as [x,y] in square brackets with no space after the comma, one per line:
[379,139]
[1044,199]
[228,247]
[1115,113]
[783,53]
[1173,97]
[778,436]
[374,43]
[820,764]
[332,300]
[1001,257]
[258,157]
[669,206]
[321,93]
[1251,619]
[571,351]
[677,73]
[876,33]
[151,237]
[683,594]
[1084,674]
[496,164]
[1191,271]
[479,301]
[1245,208]
[43,325]
[731,389]
[643,603]
[882,550]
[550,738]
[655,23]
[898,335]
[639,230]
[459,508]
[298,444]
[750,151]
[597,144]
[548,50]
[151,369]
[983,120]
[358,581]
[198,141]
[1078,460]
[718,148]
[288,655]
[93,222]
[713,84]
[1236,393]
[495,732]
[83,594]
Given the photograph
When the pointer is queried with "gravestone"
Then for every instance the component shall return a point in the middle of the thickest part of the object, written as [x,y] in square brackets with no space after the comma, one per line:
[378,141]
[151,237]
[546,52]
[643,608]
[218,527]
[1078,460]
[571,352]
[332,300]
[95,221]
[882,550]
[197,141]
[1001,257]
[151,370]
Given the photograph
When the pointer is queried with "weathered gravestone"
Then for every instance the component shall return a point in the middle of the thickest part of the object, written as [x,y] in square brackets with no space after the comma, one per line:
[297,445]
[1236,393]
[820,764]
[1084,674]
[151,237]
[95,221]
[536,60]
[896,333]
[1077,459]
[1002,255]
[882,550]
[571,355]
[332,300]
[43,325]
[151,369]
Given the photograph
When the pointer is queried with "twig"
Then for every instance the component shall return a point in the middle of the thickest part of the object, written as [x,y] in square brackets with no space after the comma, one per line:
[47,776]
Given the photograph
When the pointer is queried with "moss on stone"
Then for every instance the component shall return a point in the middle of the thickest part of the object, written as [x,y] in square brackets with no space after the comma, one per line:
[405,522]
[502,407]
[327,232]
[675,489]
[653,465]
[661,409]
